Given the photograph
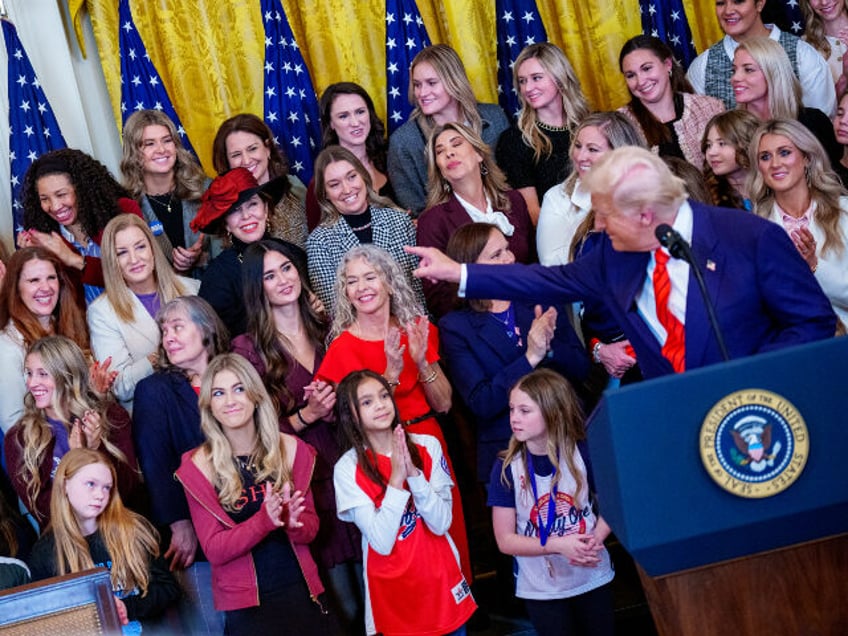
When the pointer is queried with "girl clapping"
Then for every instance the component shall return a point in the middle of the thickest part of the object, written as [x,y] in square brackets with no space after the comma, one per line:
[396,488]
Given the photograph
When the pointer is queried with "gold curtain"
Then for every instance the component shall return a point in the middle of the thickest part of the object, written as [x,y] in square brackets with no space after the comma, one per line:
[210,53]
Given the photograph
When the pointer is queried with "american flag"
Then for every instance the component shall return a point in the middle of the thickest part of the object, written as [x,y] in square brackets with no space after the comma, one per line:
[786,14]
[291,107]
[33,129]
[406,35]
[141,84]
[519,25]
[666,20]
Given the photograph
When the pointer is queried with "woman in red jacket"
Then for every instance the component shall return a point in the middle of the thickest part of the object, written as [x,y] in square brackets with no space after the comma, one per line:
[248,492]
[68,198]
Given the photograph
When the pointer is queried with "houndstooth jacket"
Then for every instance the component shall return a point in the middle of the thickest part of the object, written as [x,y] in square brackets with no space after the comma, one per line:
[326,245]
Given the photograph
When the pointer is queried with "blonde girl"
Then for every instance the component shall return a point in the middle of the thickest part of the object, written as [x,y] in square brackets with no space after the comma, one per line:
[90,528]
[542,514]
[249,495]
[534,153]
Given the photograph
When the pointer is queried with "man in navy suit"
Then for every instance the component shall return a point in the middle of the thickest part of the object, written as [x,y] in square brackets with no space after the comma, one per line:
[764,293]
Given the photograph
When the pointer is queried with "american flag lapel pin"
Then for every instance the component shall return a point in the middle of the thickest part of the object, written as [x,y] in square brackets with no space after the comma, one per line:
[711,265]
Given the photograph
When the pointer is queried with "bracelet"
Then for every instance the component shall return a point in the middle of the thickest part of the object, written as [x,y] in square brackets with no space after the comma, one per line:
[393,384]
[430,378]
[300,417]
[596,351]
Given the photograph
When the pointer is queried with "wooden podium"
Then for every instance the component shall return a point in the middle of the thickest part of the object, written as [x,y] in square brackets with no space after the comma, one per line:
[713,562]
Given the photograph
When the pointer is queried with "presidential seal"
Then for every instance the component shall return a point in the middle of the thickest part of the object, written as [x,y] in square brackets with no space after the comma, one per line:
[754,443]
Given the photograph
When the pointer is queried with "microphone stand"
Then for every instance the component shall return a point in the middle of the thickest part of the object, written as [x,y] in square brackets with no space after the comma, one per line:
[680,249]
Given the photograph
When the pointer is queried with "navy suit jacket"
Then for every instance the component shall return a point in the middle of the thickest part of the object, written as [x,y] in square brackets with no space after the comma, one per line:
[483,364]
[166,423]
[764,293]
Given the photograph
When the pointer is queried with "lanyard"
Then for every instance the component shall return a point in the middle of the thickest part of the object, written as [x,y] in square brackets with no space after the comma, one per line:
[544,529]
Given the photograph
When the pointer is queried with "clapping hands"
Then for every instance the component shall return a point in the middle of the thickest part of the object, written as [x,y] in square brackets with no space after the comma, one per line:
[541,334]
[284,508]
[85,432]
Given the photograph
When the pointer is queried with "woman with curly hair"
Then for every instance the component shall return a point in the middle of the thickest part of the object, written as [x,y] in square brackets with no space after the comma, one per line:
[352,214]
[440,91]
[534,152]
[725,148]
[36,300]
[379,325]
[68,198]
[92,528]
[248,489]
[663,105]
[795,187]
[245,141]
[826,29]
[167,182]
[466,186]
[62,411]
[348,119]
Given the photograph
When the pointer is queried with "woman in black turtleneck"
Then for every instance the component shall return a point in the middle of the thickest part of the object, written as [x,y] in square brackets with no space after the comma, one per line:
[352,213]
[235,207]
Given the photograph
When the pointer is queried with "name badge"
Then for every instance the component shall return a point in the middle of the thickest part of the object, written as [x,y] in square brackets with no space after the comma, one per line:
[156,227]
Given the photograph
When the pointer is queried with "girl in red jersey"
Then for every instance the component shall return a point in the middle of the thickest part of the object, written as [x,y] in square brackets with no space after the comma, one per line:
[396,487]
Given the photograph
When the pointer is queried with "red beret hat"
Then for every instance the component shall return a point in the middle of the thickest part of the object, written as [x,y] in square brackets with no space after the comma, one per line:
[229,191]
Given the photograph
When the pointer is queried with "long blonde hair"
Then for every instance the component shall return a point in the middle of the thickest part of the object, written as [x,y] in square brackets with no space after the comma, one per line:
[269,453]
[574,104]
[563,417]
[494,181]
[784,89]
[823,184]
[168,285]
[72,397]
[130,539]
[814,31]
[445,61]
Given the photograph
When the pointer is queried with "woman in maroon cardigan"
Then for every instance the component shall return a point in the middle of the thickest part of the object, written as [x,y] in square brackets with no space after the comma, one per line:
[68,198]
[248,490]
[466,186]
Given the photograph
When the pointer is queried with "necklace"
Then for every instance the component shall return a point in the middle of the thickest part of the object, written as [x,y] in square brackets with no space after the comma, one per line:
[361,227]
[158,199]
[550,128]
[507,319]
[246,463]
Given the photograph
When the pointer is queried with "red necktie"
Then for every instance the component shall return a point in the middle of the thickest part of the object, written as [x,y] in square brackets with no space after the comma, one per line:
[674,348]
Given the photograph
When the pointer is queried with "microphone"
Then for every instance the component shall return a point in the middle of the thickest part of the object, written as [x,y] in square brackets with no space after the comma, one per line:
[670,239]
[677,246]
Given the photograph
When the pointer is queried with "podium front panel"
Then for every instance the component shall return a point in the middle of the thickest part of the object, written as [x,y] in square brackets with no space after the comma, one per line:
[656,493]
